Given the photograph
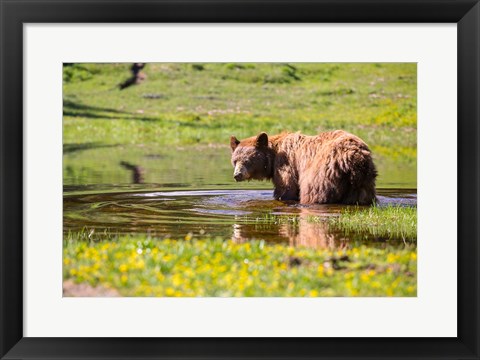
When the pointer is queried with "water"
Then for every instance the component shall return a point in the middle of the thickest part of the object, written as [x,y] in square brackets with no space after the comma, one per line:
[237,214]
[104,168]
[168,193]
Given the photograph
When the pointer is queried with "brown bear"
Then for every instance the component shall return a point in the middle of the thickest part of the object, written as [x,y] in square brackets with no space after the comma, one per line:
[330,168]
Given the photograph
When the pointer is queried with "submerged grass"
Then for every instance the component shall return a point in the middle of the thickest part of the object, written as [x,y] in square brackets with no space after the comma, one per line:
[141,266]
[389,221]
[268,218]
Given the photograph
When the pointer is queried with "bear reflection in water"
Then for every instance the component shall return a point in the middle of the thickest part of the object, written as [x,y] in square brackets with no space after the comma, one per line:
[302,232]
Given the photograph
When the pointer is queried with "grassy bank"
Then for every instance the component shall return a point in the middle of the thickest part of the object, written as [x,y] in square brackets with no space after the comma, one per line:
[139,266]
[388,222]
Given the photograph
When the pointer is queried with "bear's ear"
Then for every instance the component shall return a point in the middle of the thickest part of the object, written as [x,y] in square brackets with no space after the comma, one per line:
[234,142]
[262,140]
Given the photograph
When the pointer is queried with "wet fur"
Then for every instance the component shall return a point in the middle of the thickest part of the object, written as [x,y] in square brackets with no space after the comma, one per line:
[330,168]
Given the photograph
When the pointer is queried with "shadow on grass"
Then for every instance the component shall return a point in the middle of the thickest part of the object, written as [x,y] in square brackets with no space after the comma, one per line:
[73,109]
[196,124]
[70,105]
[71,148]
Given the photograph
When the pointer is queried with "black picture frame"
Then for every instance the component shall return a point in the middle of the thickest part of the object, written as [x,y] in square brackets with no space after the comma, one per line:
[14,13]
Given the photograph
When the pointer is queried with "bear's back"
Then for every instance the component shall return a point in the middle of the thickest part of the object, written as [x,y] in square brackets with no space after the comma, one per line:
[331,167]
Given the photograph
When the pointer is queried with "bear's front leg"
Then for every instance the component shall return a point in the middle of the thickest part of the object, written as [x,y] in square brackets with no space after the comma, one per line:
[285,194]
[284,180]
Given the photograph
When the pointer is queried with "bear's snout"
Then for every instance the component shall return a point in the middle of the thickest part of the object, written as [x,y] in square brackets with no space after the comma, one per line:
[240,173]
[238,176]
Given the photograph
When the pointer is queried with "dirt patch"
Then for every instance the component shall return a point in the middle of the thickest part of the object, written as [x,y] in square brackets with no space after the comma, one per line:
[71,289]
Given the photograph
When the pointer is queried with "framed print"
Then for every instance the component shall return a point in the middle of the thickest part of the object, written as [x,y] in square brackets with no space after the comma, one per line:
[135,138]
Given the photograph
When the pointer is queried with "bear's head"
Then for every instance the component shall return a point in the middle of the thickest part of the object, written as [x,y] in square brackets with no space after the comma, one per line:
[252,158]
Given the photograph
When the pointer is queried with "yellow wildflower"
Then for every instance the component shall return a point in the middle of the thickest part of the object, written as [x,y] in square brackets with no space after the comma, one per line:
[123,268]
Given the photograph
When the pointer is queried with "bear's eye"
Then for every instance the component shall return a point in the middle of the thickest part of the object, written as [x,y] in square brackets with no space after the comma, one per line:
[235,163]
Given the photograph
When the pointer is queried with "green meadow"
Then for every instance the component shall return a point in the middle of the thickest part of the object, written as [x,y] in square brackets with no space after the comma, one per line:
[186,104]
[139,266]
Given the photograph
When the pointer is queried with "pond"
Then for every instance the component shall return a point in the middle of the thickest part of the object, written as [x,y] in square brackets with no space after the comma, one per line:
[190,191]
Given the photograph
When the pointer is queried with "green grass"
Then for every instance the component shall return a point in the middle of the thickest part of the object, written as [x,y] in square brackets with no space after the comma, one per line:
[269,218]
[182,104]
[390,221]
[141,266]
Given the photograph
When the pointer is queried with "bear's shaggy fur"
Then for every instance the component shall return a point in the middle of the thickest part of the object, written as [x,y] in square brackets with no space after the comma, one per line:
[330,168]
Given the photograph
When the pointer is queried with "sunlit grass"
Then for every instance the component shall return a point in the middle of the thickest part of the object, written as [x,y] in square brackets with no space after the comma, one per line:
[140,266]
[389,221]
[182,104]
